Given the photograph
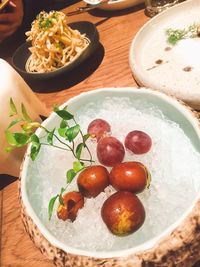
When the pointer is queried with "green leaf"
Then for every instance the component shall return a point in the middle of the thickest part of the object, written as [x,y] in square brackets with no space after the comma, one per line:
[70,175]
[62,190]
[35,149]
[72,132]
[61,200]
[50,137]
[85,138]
[79,150]
[13,109]
[60,196]
[21,138]
[78,166]
[62,132]
[64,114]
[25,114]
[63,124]
[10,138]
[17,139]
[29,126]
[34,138]
[51,206]
[14,122]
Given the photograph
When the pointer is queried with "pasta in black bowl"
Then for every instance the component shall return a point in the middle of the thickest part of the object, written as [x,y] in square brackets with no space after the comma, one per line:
[54,47]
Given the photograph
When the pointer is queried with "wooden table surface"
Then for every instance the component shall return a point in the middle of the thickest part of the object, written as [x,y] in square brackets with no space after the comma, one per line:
[108,67]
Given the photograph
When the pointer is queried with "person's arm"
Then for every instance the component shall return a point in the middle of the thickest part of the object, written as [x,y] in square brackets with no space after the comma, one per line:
[19,15]
[11,20]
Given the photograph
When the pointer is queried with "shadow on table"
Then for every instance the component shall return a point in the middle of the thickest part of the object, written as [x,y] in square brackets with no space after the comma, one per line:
[197,264]
[71,78]
[6,180]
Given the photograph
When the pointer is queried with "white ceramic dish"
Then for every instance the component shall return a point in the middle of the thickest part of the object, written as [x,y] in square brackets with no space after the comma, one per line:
[179,72]
[116,4]
[51,169]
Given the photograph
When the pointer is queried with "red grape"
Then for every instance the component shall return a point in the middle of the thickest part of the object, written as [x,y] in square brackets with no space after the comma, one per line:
[98,128]
[110,151]
[138,142]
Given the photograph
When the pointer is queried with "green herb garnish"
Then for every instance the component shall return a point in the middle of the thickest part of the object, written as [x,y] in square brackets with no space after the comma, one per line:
[60,45]
[65,134]
[175,35]
[45,23]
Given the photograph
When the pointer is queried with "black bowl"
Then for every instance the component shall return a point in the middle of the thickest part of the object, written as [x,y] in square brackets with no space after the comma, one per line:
[22,54]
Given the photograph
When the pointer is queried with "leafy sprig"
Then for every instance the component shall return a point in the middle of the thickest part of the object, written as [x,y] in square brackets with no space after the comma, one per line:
[65,134]
[175,35]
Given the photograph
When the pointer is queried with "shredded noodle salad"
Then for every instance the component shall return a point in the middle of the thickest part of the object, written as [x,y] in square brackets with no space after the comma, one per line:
[54,43]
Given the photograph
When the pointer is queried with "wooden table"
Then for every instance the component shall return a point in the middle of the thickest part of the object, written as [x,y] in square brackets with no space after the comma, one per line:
[108,67]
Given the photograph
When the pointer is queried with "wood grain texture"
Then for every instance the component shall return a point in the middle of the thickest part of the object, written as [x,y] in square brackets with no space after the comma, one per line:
[1,211]
[17,249]
[108,67]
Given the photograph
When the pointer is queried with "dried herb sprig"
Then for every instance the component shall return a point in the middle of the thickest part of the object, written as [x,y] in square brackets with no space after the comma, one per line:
[175,35]
[68,131]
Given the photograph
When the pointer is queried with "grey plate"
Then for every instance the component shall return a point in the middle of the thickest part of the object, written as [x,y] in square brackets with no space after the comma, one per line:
[22,54]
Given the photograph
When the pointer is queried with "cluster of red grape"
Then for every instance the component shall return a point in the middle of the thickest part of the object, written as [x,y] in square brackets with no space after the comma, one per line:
[122,212]
[110,151]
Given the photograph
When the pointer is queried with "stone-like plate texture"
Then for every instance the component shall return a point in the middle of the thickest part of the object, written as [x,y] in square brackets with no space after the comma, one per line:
[181,248]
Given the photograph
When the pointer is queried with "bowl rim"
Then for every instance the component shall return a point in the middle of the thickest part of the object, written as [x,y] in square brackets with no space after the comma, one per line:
[110,2]
[114,3]
[182,108]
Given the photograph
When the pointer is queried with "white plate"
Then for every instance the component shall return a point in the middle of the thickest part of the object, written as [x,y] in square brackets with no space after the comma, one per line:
[115,5]
[173,75]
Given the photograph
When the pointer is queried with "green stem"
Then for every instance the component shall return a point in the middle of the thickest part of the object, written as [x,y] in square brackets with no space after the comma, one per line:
[90,155]
[45,144]
[88,160]
[63,142]
[69,148]
[73,146]
[59,147]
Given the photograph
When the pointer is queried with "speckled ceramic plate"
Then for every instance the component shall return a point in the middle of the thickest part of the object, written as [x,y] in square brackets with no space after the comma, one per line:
[170,233]
[164,67]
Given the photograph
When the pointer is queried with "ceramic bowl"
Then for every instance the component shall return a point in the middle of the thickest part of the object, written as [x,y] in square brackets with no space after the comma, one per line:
[172,69]
[21,55]
[176,242]
[117,4]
